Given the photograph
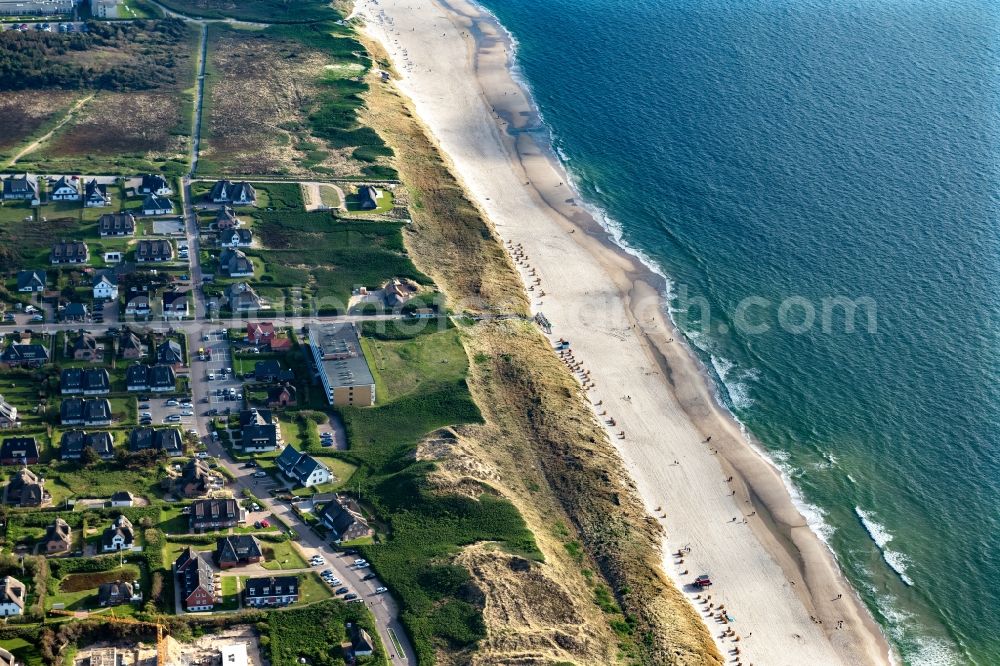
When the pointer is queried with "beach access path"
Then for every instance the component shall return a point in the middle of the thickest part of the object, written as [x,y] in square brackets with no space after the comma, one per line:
[771,572]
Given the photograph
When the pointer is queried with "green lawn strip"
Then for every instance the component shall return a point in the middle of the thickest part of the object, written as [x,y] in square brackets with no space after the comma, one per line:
[282,555]
[230,595]
[25,652]
[315,631]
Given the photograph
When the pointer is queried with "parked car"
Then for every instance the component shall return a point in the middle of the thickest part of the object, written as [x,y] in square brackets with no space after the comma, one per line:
[260,474]
[171,403]
[350,597]
[172,418]
[341,590]
[368,576]
[381,590]
[144,405]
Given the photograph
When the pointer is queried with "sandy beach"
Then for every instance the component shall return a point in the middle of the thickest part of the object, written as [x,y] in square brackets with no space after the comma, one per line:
[719,498]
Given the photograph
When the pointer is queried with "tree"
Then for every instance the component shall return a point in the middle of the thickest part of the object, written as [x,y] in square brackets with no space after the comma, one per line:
[89,457]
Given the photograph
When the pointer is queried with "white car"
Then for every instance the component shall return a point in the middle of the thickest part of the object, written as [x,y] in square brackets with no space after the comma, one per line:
[381,590]
[171,403]
[202,455]
[187,412]
[260,475]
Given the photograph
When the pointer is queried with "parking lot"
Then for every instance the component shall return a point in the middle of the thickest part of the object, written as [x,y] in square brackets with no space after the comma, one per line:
[222,388]
[162,413]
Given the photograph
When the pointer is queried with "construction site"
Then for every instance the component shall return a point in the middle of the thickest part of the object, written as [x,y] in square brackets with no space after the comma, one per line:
[234,647]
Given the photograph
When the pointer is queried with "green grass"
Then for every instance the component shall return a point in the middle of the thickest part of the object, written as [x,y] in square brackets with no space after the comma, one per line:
[269,11]
[403,366]
[26,653]
[312,589]
[230,595]
[311,631]
[384,201]
[282,556]
[280,196]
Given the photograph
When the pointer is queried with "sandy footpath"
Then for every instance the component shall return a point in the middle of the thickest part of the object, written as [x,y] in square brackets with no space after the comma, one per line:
[771,572]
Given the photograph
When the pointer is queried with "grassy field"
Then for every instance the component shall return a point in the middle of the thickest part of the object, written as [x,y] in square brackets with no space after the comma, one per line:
[28,114]
[25,652]
[283,555]
[230,593]
[402,366]
[129,126]
[79,591]
[270,11]
[329,258]
[310,631]
[278,104]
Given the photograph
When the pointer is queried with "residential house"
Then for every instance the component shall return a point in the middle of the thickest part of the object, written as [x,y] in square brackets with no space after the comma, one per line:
[74,312]
[241,297]
[215,514]
[105,287]
[24,355]
[301,468]
[167,440]
[169,352]
[156,378]
[113,257]
[196,480]
[258,431]
[31,281]
[152,251]
[119,536]
[84,381]
[18,451]
[58,538]
[64,189]
[368,197]
[122,498]
[361,641]
[12,596]
[8,415]
[154,184]
[343,370]
[129,344]
[7,657]
[21,188]
[343,517]
[235,263]
[175,304]
[79,411]
[226,219]
[154,205]
[73,442]
[69,252]
[237,550]
[86,348]
[236,238]
[26,489]
[271,591]
[199,589]
[270,371]
[235,194]
[95,195]
[137,304]
[116,224]
[281,396]
[115,593]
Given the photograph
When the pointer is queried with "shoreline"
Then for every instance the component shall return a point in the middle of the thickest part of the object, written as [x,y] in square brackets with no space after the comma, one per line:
[773,576]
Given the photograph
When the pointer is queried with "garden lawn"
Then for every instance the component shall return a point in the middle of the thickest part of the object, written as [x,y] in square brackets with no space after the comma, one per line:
[282,555]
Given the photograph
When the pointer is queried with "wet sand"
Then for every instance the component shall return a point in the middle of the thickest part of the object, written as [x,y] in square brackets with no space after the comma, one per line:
[773,575]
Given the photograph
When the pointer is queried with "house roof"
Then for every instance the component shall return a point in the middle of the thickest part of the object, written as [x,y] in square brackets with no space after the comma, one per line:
[271,586]
[84,341]
[154,202]
[122,527]
[255,416]
[339,349]
[274,393]
[113,223]
[339,514]
[19,448]
[226,214]
[17,185]
[12,591]
[105,278]
[75,310]
[69,249]
[31,279]
[235,262]
[163,439]
[59,530]
[94,191]
[98,409]
[263,330]
[237,548]
[209,510]
[17,352]
[154,249]
[175,300]
[297,465]
[85,379]
[169,352]
[114,592]
[197,575]
[153,182]
[122,496]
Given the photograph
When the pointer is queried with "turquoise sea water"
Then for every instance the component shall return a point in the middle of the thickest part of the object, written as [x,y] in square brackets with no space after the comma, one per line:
[815,149]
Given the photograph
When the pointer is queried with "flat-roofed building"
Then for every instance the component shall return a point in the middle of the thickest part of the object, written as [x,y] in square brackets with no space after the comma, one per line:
[342,368]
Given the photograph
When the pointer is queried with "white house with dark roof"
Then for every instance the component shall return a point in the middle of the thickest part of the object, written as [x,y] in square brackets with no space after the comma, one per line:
[95,195]
[152,183]
[105,287]
[31,281]
[21,188]
[154,205]
[12,596]
[64,189]
[301,468]
[236,194]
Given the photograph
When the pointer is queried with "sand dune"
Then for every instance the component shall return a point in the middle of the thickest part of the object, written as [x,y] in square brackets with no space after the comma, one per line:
[771,572]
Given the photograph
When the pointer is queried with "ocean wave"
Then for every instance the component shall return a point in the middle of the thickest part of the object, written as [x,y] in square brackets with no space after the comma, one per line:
[814,516]
[901,626]
[735,380]
[881,536]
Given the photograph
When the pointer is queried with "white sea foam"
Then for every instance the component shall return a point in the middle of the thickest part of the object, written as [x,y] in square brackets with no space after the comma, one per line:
[734,380]
[881,536]
[900,626]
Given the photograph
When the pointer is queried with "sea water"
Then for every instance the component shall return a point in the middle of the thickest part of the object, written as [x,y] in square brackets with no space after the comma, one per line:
[772,157]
